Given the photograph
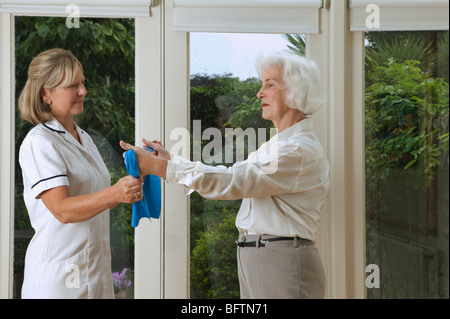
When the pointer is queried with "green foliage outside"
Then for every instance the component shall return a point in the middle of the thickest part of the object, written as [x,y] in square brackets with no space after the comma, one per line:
[225,101]
[213,260]
[406,122]
[406,109]
[397,109]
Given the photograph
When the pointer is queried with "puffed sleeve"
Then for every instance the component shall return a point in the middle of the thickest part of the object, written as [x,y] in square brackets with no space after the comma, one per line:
[42,165]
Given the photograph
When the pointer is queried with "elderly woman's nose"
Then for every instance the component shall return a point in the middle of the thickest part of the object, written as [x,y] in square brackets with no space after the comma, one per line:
[260,94]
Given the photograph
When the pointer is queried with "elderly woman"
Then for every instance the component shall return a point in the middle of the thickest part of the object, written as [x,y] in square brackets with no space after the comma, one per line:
[66,186]
[283,185]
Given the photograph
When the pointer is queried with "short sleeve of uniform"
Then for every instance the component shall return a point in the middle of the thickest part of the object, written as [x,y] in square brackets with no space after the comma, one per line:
[42,165]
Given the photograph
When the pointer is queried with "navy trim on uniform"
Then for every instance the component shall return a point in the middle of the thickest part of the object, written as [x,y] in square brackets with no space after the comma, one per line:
[46,179]
[52,129]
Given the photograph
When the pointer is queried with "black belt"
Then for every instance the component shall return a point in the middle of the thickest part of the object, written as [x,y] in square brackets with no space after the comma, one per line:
[262,242]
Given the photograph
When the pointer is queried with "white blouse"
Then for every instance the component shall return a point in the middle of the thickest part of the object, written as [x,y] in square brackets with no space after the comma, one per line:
[64,260]
[283,184]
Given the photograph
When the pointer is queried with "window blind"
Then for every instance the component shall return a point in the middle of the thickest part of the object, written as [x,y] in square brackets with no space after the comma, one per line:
[399,15]
[263,16]
[83,8]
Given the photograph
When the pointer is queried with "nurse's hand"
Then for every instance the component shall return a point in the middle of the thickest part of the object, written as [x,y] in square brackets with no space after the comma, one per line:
[128,189]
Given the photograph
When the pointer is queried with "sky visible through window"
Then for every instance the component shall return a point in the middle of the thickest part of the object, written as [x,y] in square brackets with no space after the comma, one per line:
[220,53]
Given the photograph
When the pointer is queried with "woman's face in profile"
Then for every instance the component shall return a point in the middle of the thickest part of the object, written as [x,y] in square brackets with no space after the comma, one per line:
[271,94]
[66,101]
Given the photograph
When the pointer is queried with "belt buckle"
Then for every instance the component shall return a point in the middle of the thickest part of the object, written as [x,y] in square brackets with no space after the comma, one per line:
[241,240]
[262,242]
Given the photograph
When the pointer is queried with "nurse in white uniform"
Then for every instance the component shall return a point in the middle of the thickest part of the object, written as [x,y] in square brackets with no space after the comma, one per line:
[67,188]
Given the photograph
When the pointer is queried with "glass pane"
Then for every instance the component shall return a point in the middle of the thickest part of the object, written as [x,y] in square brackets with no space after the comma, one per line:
[406,121]
[223,91]
[105,47]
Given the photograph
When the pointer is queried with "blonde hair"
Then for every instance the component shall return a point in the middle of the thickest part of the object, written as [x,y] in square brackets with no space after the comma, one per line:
[302,78]
[46,71]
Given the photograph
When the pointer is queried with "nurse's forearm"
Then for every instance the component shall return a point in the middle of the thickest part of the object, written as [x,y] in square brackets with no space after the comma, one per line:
[74,209]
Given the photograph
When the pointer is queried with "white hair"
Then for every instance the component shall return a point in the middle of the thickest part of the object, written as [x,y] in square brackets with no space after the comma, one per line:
[301,76]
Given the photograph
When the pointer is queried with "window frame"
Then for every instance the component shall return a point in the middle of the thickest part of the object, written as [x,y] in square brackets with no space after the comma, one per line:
[162,89]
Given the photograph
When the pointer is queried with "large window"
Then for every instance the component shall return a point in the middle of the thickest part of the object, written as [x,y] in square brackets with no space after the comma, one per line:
[385,137]
[406,122]
[105,47]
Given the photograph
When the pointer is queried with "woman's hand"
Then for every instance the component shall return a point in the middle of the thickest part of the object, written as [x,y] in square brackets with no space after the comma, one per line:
[160,151]
[128,189]
[74,209]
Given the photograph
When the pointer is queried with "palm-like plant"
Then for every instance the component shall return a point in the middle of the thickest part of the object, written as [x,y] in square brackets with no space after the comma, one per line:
[399,47]
[297,41]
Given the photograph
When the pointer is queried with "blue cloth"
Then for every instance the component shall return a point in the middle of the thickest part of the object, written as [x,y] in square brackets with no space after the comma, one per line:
[150,205]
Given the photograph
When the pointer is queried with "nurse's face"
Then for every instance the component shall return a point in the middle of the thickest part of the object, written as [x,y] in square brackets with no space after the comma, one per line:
[67,101]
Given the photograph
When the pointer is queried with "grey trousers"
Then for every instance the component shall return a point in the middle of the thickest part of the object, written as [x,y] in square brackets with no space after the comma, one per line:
[281,269]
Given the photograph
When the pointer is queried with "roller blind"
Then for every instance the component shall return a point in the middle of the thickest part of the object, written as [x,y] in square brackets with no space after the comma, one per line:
[399,15]
[85,8]
[265,16]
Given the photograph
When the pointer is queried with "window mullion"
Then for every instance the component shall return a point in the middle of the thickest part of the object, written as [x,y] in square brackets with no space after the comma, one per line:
[7,154]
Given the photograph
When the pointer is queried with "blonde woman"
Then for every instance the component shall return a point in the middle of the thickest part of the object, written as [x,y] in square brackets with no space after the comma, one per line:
[67,188]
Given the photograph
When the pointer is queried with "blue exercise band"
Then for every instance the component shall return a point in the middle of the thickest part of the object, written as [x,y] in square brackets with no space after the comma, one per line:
[150,205]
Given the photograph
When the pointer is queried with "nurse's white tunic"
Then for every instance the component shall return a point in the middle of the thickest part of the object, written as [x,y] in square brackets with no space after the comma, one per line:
[64,260]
